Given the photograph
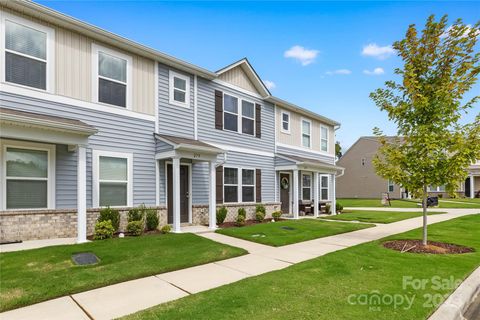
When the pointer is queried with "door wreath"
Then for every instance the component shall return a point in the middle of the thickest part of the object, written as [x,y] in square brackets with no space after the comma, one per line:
[284,183]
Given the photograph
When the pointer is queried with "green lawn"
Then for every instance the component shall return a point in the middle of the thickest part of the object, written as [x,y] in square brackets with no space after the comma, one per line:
[32,276]
[443,203]
[376,216]
[279,233]
[321,288]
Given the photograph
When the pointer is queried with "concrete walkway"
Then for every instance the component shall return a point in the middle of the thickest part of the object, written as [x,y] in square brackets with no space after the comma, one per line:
[128,297]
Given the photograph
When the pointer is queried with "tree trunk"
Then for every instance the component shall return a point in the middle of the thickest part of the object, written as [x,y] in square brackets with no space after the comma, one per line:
[424,207]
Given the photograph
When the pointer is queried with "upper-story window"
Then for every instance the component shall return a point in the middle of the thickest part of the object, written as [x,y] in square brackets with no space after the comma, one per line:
[179,89]
[232,109]
[27,53]
[306,133]
[391,186]
[285,122]
[112,84]
[324,138]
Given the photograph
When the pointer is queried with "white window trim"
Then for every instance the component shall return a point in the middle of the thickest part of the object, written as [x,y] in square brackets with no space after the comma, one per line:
[51,182]
[322,187]
[437,189]
[173,74]
[96,154]
[309,134]
[239,114]
[390,183]
[95,76]
[310,187]
[239,184]
[322,138]
[50,60]
[281,121]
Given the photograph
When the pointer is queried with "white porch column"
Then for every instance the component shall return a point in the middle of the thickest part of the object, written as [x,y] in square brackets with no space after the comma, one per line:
[295,194]
[333,196]
[176,194]
[212,200]
[316,194]
[472,186]
[81,194]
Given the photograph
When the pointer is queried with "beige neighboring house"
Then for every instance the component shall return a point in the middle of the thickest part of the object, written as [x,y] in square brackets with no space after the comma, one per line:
[361,181]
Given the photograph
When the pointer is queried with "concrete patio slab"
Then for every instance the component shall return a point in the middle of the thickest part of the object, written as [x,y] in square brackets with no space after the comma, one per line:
[127,297]
[253,264]
[202,277]
[34,244]
[56,309]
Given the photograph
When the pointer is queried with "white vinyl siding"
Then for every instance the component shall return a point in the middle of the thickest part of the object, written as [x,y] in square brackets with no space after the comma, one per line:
[179,89]
[29,175]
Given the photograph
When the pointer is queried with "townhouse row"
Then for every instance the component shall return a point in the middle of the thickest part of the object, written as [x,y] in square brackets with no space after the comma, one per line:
[90,119]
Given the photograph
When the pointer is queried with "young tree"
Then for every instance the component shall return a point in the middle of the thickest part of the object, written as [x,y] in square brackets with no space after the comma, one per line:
[338,150]
[434,148]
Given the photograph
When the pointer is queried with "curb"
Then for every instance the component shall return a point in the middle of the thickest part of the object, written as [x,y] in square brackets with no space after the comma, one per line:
[457,303]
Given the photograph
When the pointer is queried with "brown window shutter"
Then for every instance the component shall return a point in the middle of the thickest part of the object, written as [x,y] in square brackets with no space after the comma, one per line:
[258,120]
[258,185]
[218,110]
[219,183]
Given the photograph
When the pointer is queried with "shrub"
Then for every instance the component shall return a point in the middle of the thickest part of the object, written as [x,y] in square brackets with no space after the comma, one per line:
[327,208]
[103,230]
[339,207]
[221,215]
[166,229]
[260,208]
[276,215]
[260,216]
[240,221]
[110,214]
[135,228]
[136,214]
[242,212]
[152,219]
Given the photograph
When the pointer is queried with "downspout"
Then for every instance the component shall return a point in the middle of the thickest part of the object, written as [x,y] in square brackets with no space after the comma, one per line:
[195,111]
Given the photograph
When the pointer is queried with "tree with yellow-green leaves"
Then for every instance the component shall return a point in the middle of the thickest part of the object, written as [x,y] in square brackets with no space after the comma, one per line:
[440,65]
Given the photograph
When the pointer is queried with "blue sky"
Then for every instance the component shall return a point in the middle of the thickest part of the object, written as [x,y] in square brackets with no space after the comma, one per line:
[311,51]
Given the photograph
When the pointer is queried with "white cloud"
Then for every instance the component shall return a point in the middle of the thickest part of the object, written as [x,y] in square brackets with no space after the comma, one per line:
[465,34]
[339,71]
[301,54]
[374,72]
[269,84]
[375,51]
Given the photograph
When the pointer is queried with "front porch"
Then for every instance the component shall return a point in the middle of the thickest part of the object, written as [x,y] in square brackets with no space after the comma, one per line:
[305,186]
[472,185]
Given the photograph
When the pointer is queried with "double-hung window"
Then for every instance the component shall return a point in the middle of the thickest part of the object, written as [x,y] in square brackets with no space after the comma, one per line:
[324,138]
[324,187]
[248,117]
[113,175]
[306,133]
[230,184]
[306,186]
[29,181]
[248,185]
[27,54]
[112,84]
[179,89]
[285,122]
[391,186]
[230,113]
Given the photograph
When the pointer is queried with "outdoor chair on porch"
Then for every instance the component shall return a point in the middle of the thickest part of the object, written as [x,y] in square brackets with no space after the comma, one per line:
[305,207]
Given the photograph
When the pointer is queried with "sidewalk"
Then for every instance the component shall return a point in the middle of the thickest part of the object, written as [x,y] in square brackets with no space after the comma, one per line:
[128,297]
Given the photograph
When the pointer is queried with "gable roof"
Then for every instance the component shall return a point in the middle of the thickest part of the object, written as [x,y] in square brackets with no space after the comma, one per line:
[251,74]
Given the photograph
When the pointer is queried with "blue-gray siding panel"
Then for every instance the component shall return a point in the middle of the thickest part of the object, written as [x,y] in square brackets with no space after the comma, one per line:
[161,146]
[116,133]
[200,179]
[306,153]
[66,177]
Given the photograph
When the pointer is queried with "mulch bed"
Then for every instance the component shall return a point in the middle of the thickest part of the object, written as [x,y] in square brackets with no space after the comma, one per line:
[432,247]
[247,223]
[126,234]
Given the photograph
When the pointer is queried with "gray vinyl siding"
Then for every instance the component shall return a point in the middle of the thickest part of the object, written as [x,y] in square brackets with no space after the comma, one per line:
[206,120]
[283,162]
[162,176]
[306,153]
[173,120]
[115,133]
[200,179]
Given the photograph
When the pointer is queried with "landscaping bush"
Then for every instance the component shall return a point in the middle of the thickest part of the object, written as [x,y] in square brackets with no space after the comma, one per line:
[221,215]
[276,215]
[260,216]
[135,228]
[260,208]
[103,230]
[136,214]
[240,221]
[152,219]
[166,229]
[339,207]
[327,208]
[242,212]
[110,214]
